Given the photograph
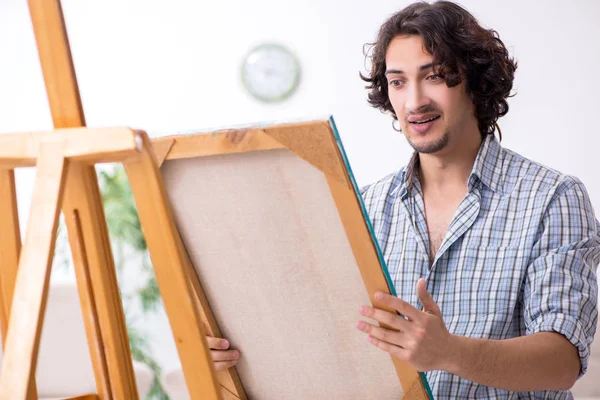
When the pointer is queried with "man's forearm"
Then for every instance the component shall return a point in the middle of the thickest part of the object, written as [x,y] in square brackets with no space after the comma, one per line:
[542,361]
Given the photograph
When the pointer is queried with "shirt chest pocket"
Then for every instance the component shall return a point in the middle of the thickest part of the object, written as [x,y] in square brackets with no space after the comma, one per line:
[488,280]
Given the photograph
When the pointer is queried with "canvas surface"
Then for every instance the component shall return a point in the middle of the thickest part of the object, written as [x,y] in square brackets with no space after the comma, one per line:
[271,253]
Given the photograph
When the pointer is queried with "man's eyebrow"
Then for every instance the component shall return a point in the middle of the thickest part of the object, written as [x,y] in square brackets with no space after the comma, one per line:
[399,71]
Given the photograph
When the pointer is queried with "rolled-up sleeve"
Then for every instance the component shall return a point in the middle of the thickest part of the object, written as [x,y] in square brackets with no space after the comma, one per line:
[561,288]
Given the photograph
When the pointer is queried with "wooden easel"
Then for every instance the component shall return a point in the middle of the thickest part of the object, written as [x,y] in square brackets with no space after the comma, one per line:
[66,179]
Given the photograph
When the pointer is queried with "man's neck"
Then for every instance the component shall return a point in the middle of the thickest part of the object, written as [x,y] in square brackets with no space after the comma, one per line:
[450,169]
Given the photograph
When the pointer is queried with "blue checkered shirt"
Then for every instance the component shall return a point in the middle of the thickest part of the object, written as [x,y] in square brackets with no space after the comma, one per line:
[519,257]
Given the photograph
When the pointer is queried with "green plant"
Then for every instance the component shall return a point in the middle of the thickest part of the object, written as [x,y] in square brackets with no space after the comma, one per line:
[128,243]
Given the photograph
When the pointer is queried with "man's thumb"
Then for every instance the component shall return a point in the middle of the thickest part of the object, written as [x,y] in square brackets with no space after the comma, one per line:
[429,304]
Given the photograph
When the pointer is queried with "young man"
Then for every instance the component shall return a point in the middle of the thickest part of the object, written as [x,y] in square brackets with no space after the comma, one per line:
[493,256]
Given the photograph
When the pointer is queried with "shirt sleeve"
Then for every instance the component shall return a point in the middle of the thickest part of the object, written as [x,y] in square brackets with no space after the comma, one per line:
[561,288]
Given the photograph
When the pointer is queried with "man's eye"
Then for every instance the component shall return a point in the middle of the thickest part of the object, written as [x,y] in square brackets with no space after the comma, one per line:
[395,82]
[434,77]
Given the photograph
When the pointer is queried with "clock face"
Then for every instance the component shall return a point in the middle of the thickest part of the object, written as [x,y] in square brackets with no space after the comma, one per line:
[270,73]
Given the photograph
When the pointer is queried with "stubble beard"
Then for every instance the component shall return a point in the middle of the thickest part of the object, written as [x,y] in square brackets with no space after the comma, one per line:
[431,146]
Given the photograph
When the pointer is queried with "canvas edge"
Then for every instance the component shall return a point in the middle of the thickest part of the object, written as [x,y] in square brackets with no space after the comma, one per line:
[354,185]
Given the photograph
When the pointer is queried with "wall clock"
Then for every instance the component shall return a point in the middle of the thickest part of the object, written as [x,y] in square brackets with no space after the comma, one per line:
[270,72]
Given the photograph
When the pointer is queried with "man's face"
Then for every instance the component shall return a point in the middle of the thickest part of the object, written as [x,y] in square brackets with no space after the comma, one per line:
[432,116]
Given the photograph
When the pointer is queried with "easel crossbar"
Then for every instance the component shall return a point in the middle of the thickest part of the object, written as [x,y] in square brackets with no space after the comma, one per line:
[88,146]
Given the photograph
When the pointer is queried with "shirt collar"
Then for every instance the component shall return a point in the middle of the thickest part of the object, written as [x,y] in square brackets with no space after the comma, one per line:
[487,168]
[488,165]
[409,175]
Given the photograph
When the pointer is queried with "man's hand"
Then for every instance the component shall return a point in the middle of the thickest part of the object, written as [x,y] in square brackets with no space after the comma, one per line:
[421,339]
[220,353]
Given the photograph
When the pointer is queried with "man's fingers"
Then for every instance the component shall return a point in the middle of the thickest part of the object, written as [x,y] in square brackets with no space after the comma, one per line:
[386,335]
[398,304]
[217,343]
[396,351]
[385,317]
[224,355]
[219,365]
[429,305]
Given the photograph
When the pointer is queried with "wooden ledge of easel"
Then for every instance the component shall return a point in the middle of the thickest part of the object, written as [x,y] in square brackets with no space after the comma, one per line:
[87,145]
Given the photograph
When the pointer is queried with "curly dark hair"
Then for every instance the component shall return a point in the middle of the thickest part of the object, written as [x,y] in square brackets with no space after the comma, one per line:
[461,48]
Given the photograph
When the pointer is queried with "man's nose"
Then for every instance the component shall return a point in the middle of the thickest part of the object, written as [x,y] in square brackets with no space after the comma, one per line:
[417,100]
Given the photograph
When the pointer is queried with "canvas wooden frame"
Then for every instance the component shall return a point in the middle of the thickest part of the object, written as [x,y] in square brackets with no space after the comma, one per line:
[317,143]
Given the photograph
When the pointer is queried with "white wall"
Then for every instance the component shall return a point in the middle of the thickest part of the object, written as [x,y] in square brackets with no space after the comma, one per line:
[174,65]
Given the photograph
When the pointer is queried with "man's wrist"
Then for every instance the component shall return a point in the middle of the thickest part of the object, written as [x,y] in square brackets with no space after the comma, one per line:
[456,353]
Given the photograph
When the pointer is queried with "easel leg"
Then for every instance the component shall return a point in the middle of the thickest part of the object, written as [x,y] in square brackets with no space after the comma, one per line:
[10,240]
[165,250]
[33,276]
[90,312]
[90,233]
[10,248]
[82,194]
